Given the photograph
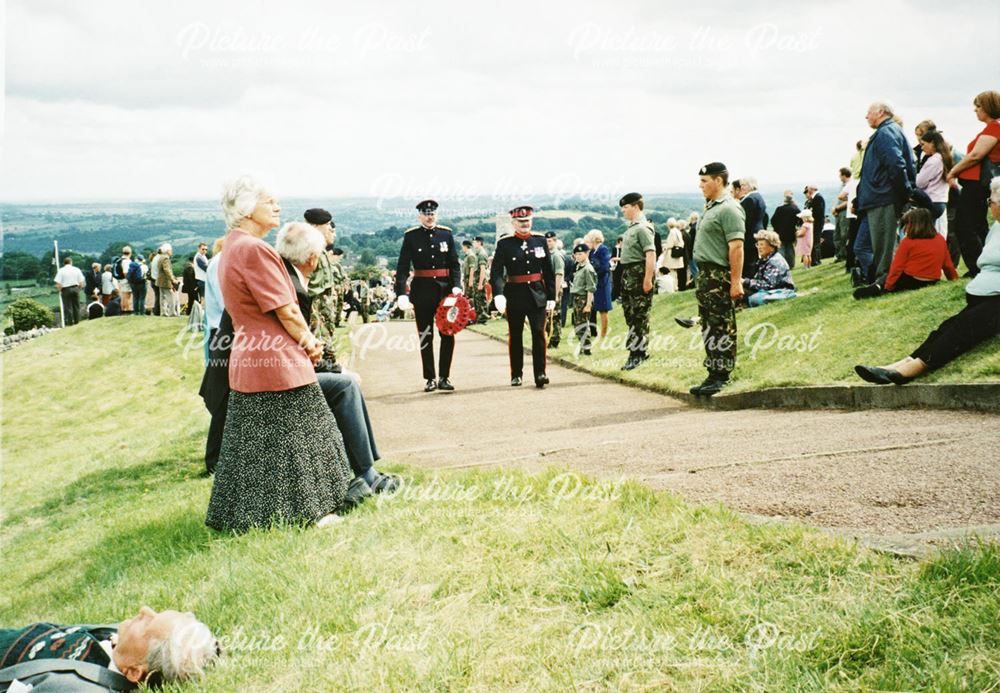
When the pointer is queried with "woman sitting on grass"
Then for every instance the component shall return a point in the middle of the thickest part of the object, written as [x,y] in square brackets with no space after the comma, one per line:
[772,280]
[919,260]
[282,456]
[150,647]
[974,324]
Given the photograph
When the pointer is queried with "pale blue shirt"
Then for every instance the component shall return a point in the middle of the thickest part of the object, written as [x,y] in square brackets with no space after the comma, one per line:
[987,282]
[214,305]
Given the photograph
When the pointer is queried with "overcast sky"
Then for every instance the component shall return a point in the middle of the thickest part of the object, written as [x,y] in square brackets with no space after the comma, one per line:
[110,99]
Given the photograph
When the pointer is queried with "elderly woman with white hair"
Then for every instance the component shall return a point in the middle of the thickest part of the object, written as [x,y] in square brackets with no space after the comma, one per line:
[151,647]
[976,323]
[282,457]
[772,279]
[600,258]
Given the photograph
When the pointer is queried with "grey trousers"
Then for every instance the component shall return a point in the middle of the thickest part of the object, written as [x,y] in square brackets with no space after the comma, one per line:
[343,395]
[882,224]
[167,308]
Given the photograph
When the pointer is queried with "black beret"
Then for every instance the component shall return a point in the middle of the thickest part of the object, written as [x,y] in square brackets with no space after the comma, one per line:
[338,251]
[713,169]
[629,199]
[467,244]
[478,238]
[581,248]
[550,234]
[317,216]
[427,206]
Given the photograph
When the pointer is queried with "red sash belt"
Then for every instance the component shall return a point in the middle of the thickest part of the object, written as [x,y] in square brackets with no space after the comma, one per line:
[431,273]
[524,278]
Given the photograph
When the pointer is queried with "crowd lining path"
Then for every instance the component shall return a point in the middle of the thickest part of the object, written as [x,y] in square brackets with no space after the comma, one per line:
[902,480]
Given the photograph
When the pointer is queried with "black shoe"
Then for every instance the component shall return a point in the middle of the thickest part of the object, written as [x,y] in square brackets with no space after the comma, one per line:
[881,376]
[632,362]
[857,279]
[642,356]
[445,385]
[712,385]
[430,386]
[541,381]
[686,323]
[585,352]
[386,483]
[357,492]
[870,291]
[515,381]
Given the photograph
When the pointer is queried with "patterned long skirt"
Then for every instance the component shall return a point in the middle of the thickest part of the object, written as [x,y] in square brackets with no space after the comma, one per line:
[282,460]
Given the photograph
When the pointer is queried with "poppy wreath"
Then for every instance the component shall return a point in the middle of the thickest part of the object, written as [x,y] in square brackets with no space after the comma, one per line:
[452,319]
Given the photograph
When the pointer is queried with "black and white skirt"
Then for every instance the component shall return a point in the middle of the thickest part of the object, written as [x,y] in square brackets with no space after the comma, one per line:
[282,461]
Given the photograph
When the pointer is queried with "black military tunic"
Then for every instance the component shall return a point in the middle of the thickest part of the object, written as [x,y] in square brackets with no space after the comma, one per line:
[430,251]
[520,258]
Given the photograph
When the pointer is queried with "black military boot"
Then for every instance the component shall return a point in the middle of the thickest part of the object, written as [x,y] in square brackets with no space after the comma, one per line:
[541,381]
[430,386]
[445,385]
[515,381]
[633,361]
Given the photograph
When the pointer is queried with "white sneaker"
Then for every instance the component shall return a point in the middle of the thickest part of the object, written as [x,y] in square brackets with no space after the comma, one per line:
[329,520]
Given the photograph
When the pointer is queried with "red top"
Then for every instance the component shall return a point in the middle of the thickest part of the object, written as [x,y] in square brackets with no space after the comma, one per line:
[254,283]
[922,258]
[993,130]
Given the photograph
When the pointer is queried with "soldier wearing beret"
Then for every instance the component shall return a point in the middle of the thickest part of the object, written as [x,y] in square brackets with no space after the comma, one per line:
[529,292]
[718,250]
[431,250]
[559,271]
[637,260]
[582,294]
[479,302]
[322,287]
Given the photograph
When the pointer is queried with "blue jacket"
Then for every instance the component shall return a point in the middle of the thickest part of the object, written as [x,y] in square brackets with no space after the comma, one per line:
[888,173]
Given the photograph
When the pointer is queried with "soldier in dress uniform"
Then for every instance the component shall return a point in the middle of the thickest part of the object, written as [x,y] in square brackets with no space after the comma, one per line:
[431,250]
[479,303]
[529,292]
[552,320]
[321,287]
[637,262]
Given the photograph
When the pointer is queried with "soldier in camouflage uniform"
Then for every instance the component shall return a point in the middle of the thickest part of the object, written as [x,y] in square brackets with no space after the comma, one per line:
[321,285]
[479,302]
[552,321]
[469,271]
[718,250]
[340,284]
[637,262]
[581,292]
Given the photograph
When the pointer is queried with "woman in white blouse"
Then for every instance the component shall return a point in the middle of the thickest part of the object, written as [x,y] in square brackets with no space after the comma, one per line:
[933,176]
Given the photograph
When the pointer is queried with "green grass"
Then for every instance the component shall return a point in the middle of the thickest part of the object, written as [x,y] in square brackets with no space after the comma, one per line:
[465,580]
[815,339]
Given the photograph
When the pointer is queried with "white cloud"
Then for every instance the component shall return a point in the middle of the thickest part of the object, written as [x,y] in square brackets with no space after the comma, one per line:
[114,100]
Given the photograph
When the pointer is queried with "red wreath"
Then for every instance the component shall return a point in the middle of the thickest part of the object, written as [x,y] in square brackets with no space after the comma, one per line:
[453,314]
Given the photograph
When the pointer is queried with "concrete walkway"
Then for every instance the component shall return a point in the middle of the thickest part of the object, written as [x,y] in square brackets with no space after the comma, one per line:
[902,479]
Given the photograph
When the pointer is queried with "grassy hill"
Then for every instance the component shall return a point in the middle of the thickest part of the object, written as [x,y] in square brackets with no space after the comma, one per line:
[815,339]
[465,580]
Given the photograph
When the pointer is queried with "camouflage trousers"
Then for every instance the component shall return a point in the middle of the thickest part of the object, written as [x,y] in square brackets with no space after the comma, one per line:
[480,304]
[322,321]
[582,321]
[552,326]
[718,318]
[636,305]
[338,306]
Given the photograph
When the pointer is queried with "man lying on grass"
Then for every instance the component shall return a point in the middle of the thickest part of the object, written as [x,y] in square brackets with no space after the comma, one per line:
[150,647]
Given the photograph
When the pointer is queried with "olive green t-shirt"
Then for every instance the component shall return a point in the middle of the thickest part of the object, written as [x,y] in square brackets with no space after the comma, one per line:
[722,221]
[637,241]
[558,263]
[584,280]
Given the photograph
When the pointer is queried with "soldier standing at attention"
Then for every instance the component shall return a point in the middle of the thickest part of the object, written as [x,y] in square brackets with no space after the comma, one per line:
[559,270]
[321,286]
[436,274]
[469,271]
[479,303]
[718,250]
[529,293]
[637,262]
[340,283]
[581,292]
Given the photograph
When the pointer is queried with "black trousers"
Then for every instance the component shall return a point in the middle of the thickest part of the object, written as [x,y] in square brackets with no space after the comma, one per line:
[970,222]
[908,283]
[71,304]
[213,445]
[852,235]
[977,322]
[517,311]
[426,294]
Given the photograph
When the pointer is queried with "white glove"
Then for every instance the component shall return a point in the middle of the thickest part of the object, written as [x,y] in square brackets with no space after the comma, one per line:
[456,291]
[550,305]
[500,302]
[403,302]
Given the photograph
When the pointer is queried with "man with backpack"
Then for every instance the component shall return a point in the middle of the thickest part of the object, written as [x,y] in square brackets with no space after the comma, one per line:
[119,270]
[136,280]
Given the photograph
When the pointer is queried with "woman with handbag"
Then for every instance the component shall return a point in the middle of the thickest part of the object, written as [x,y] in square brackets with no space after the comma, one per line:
[973,173]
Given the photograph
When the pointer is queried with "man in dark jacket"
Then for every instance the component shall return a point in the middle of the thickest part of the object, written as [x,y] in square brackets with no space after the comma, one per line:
[817,204]
[756,220]
[785,221]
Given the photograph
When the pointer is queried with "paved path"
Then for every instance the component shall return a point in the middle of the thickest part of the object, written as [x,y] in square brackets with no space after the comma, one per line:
[904,478]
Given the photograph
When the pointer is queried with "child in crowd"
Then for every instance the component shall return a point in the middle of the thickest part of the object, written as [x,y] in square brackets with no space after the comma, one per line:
[804,236]
[582,295]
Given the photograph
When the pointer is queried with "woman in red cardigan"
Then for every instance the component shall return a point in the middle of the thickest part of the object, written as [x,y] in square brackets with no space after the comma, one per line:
[920,258]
